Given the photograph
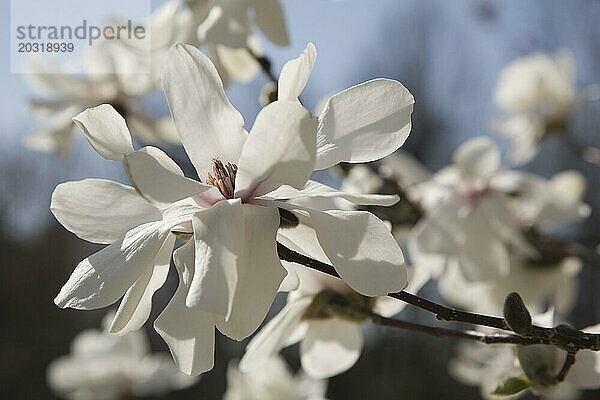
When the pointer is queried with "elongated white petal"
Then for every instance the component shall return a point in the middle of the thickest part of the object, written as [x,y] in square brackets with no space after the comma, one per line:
[364,123]
[106,130]
[295,73]
[274,335]
[189,333]
[269,17]
[134,310]
[280,150]
[209,126]
[219,236]
[478,157]
[482,256]
[100,211]
[155,177]
[259,272]
[330,347]
[314,189]
[362,250]
[101,279]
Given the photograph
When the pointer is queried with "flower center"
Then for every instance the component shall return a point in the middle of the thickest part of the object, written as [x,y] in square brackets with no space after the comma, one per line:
[222,177]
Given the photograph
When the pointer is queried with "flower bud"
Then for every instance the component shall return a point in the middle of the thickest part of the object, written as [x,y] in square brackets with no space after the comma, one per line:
[516,314]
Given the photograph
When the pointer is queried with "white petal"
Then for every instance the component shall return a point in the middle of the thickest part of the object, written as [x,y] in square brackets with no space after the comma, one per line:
[330,347]
[483,256]
[295,73]
[268,16]
[478,157]
[364,123]
[189,333]
[362,250]
[158,179]
[153,131]
[274,335]
[100,211]
[101,279]
[239,63]
[209,126]
[106,130]
[280,150]
[314,189]
[134,310]
[219,240]
[259,272]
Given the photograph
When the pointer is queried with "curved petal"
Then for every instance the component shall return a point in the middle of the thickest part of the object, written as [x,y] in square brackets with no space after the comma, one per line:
[330,347]
[219,241]
[314,189]
[134,310]
[478,157]
[274,335]
[102,278]
[209,126]
[259,272]
[295,73]
[158,179]
[269,17]
[100,211]
[189,333]
[106,131]
[280,150]
[364,123]
[362,250]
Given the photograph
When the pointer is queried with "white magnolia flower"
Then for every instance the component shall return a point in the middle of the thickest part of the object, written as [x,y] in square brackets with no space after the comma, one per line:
[109,79]
[555,284]
[491,367]
[468,219]
[227,32]
[229,268]
[330,338]
[103,366]
[546,204]
[273,381]
[537,93]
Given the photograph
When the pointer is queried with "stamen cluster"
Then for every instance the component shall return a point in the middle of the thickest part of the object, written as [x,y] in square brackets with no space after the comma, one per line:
[223,177]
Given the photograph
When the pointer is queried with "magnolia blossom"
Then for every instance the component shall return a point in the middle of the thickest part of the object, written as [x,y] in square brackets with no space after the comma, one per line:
[103,366]
[224,27]
[468,219]
[325,315]
[516,369]
[544,205]
[538,285]
[273,381]
[229,270]
[227,32]
[108,79]
[537,93]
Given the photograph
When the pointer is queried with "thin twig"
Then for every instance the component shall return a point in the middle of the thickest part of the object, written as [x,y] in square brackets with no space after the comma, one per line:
[563,337]
[496,338]
[265,65]
[569,361]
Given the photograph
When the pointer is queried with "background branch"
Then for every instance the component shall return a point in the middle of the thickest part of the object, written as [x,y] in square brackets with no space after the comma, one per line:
[562,336]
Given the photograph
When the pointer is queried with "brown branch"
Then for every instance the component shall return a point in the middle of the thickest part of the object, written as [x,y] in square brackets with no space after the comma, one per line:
[496,338]
[562,336]
[569,361]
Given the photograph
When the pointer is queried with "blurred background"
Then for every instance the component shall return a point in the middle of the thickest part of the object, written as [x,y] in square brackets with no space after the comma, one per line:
[447,53]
